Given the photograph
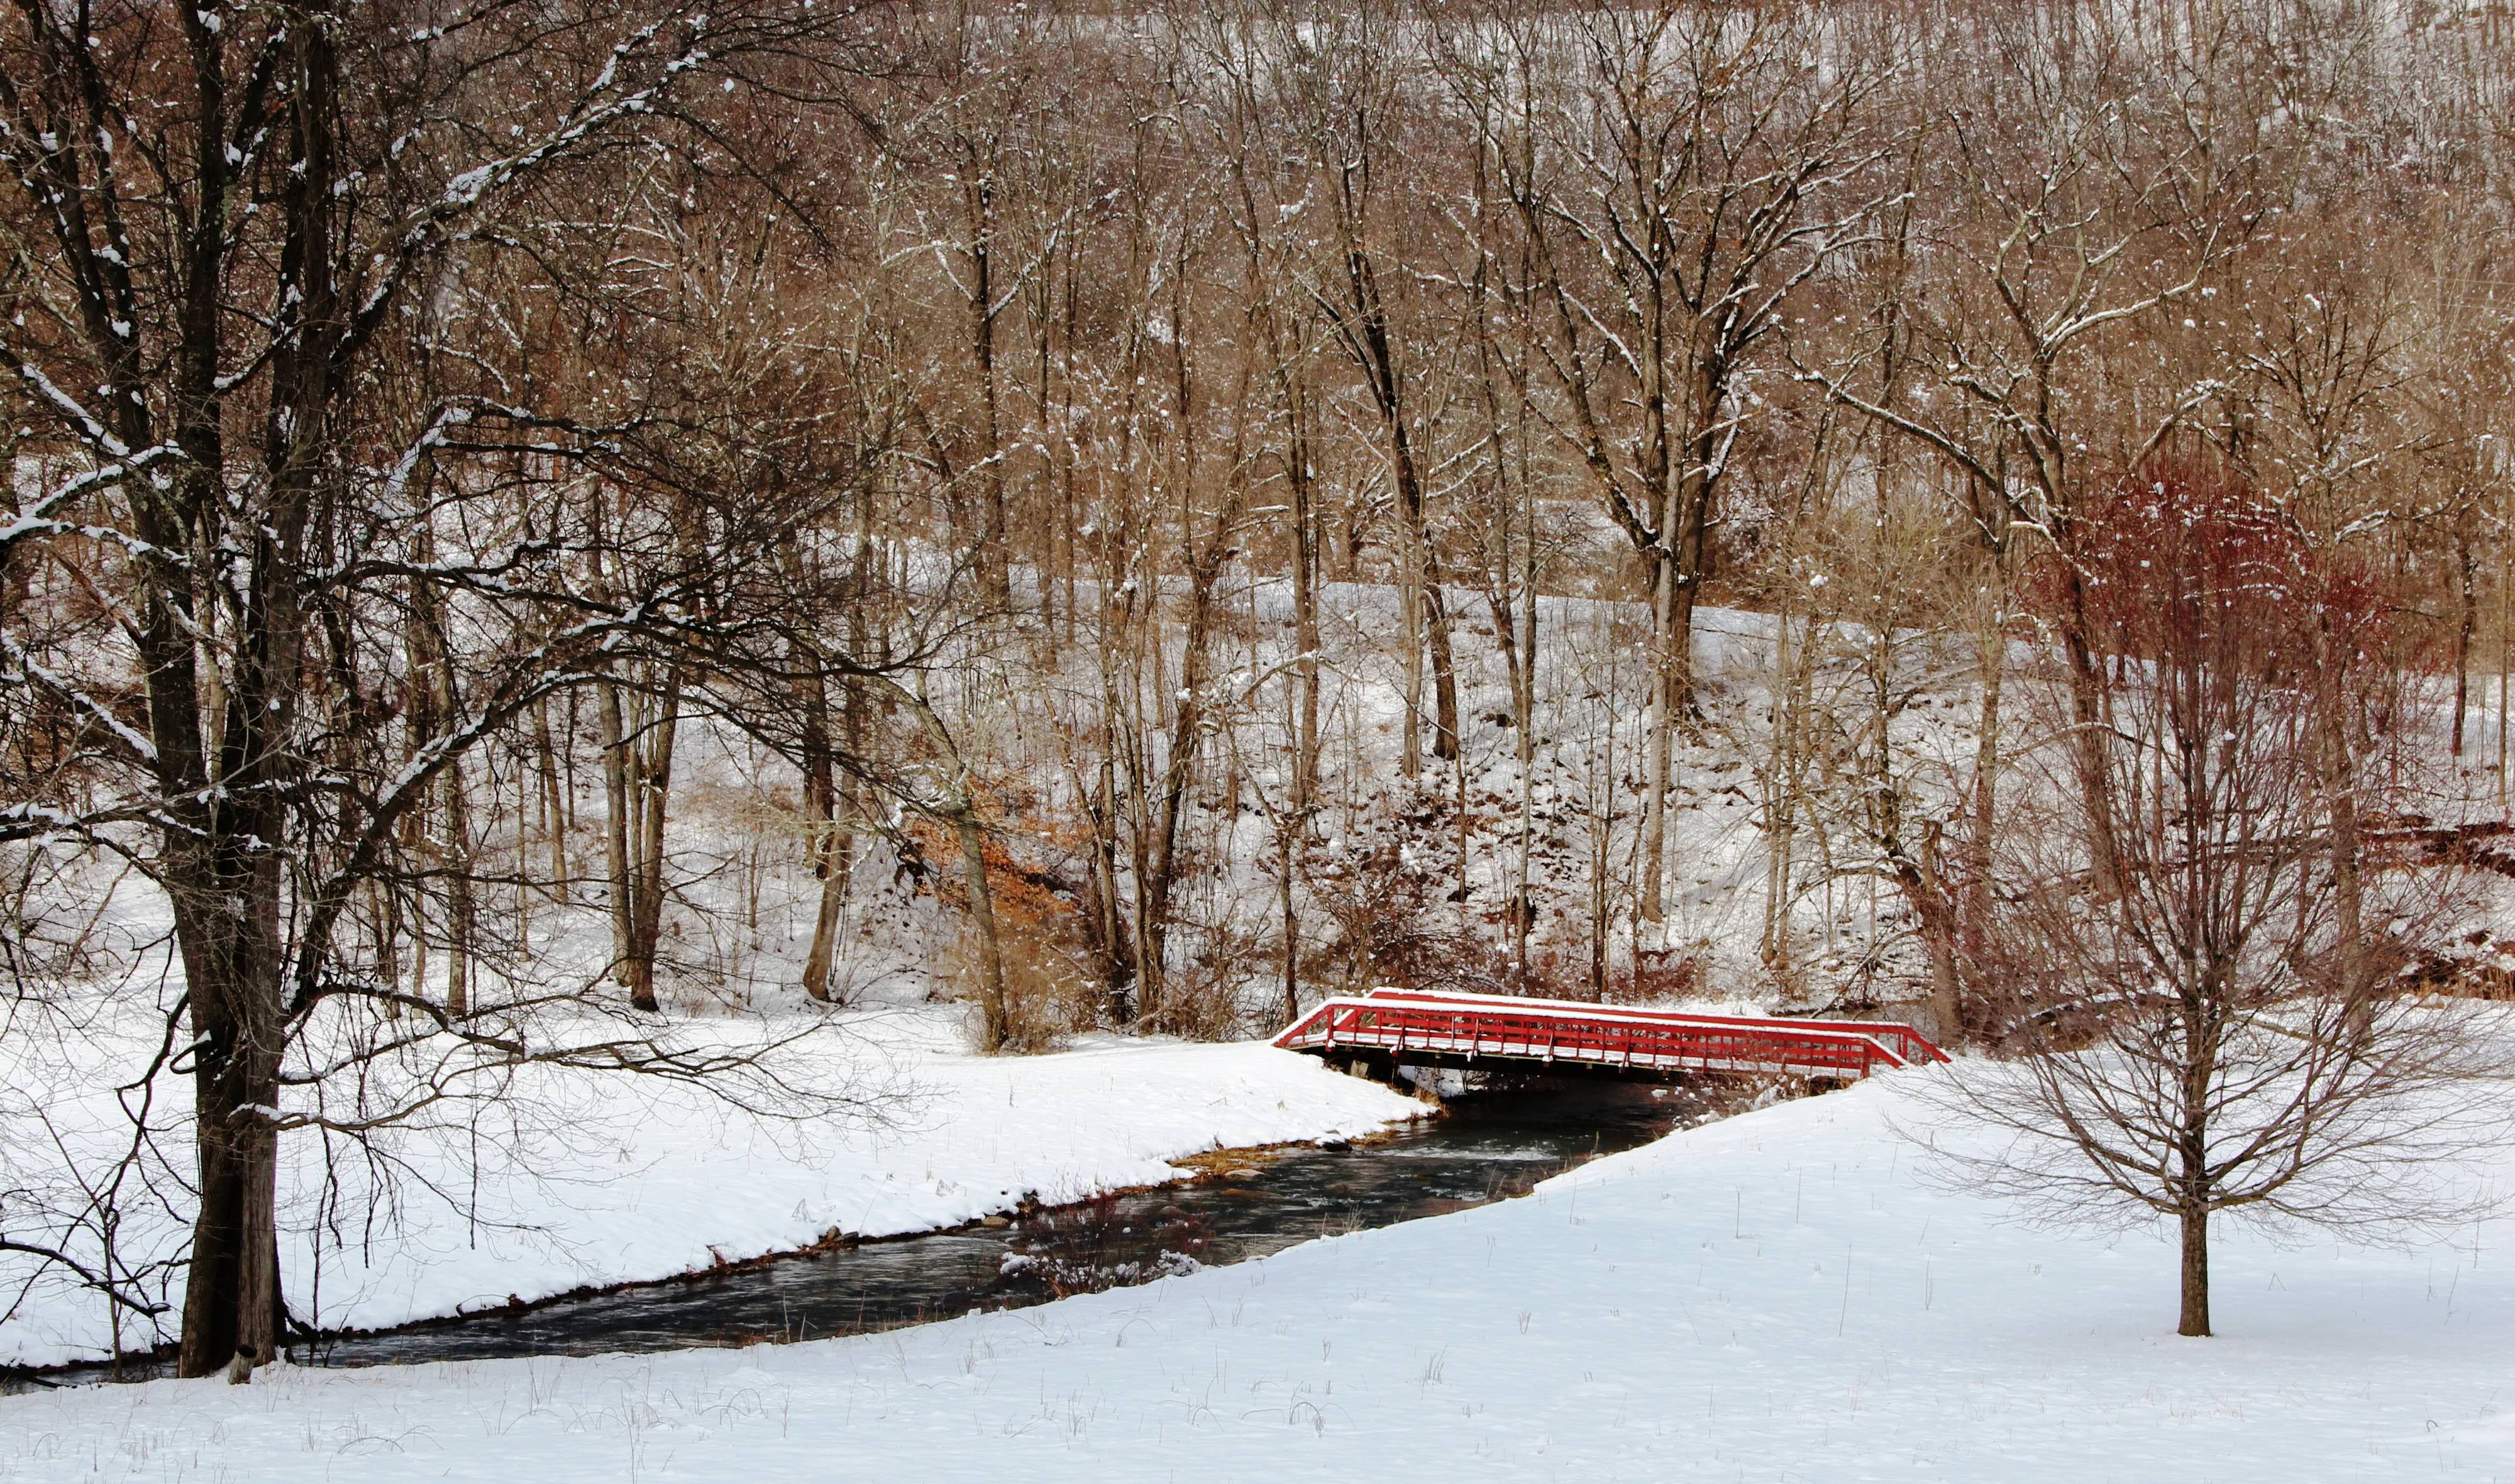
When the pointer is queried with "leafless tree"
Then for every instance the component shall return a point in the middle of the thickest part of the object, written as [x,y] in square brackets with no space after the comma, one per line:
[2083,186]
[2219,1035]
[1680,172]
[243,219]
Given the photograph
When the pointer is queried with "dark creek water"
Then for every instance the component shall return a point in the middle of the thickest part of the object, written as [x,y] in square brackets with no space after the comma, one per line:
[1488,1146]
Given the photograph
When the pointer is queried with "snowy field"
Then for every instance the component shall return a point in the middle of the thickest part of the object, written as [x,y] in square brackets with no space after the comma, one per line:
[614,1179]
[1783,1295]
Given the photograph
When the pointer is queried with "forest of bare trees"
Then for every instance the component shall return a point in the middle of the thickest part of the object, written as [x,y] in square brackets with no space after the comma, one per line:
[1221,502]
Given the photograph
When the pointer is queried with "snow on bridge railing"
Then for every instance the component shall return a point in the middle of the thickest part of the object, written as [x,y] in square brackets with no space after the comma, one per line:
[1906,1042]
[1617,1037]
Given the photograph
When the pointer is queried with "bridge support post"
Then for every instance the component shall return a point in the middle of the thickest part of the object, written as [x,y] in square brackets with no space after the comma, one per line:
[1378,1066]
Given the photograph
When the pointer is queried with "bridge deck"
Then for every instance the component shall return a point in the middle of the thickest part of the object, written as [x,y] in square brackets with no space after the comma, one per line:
[1566,1035]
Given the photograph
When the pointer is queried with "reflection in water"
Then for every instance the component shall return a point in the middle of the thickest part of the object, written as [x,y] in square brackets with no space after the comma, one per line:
[1489,1146]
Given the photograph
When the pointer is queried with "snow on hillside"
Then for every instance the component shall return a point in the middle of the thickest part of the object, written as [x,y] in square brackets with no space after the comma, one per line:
[1781,1296]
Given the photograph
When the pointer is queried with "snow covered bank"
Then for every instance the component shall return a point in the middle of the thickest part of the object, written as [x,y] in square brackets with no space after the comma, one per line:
[1777,1297]
[645,1181]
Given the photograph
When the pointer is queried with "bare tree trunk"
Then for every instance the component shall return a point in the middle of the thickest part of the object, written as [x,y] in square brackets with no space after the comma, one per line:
[1523,905]
[834,801]
[1288,835]
[554,800]
[2194,1221]
[652,755]
[617,794]
[2192,1176]
[1992,659]
[1602,830]
[1520,652]
[995,559]
[1410,614]
[385,908]
[231,1290]
[1794,675]
[994,1026]
[449,839]
[461,920]
[1505,613]
[638,736]
[2466,617]
[1661,720]
[228,913]
[1430,616]
[1187,721]
[2090,740]
[1305,626]
[1117,963]
[1435,614]
[821,825]
[828,811]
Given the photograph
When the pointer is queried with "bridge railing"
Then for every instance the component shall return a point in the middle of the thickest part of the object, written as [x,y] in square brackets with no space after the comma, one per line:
[1905,1041]
[1603,1035]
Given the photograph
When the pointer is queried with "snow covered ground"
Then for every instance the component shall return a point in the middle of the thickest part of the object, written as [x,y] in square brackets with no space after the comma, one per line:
[1782,1296]
[606,1179]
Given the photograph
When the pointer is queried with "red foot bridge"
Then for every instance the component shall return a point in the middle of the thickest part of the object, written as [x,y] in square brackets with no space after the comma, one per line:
[1500,1033]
